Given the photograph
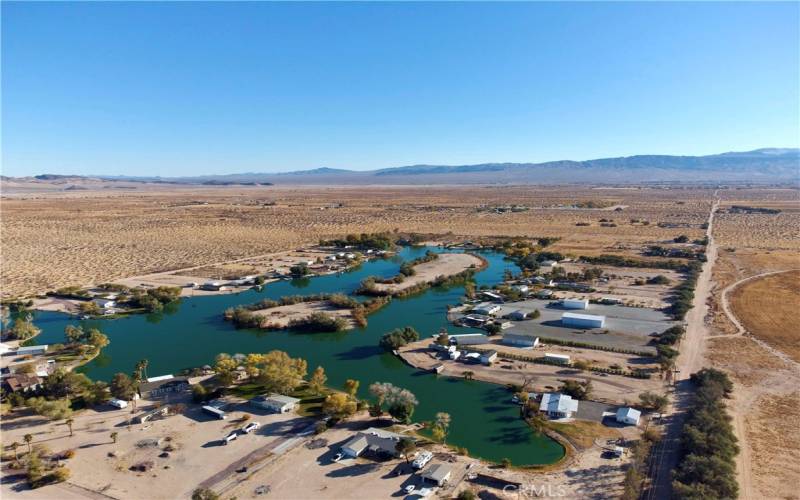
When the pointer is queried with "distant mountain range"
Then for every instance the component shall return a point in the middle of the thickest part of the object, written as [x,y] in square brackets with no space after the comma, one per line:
[769,165]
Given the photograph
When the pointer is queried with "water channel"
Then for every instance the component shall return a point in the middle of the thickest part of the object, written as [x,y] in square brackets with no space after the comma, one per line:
[192,332]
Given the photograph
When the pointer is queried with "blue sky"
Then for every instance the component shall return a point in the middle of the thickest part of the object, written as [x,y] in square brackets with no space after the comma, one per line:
[198,88]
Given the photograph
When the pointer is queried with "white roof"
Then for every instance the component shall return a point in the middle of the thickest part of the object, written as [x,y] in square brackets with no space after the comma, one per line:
[31,348]
[558,403]
[588,317]
[553,355]
[160,378]
[630,413]
[281,399]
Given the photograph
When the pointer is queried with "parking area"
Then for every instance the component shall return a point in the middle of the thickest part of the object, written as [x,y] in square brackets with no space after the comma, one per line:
[625,327]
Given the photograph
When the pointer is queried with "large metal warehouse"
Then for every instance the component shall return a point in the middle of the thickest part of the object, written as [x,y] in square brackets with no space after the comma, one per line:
[583,320]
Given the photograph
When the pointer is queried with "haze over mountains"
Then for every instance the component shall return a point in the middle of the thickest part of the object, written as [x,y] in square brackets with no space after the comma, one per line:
[769,165]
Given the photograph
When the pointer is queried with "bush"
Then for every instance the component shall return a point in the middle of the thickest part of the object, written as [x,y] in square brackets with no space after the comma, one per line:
[398,338]
[708,444]
[319,322]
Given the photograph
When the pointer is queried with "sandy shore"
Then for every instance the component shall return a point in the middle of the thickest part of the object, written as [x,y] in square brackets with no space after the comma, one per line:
[447,264]
[281,316]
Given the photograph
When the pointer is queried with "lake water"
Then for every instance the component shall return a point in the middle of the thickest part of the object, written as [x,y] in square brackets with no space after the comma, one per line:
[192,332]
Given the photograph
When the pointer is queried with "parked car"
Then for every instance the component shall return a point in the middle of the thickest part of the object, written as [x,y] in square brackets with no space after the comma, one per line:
[422,460]
[247,429]
[338,457]
[409,489]
[231,437]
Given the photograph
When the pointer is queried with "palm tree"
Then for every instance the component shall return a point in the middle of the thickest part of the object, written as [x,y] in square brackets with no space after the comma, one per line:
[14,447]
[114,437]
[28,438]
[468,375]
[142,367]
[69,423]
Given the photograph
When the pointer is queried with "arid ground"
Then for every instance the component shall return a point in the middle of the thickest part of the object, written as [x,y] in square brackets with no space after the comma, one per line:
[754,303]
[51,240]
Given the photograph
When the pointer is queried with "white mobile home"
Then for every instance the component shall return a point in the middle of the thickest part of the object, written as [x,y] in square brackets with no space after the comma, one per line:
[557,358]
[575,304]
[628,416]
[469,339]
[31,350]
[583,320]
[277,403]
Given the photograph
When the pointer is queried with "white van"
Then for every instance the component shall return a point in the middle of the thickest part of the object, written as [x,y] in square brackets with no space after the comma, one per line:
[231,437]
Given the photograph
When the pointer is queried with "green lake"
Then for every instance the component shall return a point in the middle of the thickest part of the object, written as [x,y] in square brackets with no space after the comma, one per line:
[192,332]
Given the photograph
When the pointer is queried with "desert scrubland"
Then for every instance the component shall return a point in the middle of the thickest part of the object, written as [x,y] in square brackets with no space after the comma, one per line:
[760,352]
[51,240]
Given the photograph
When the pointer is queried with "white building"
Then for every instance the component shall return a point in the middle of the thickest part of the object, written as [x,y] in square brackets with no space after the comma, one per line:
[583,320]
[521,339]
[492,296]
[557,358]
[486,309]
[31,350]
[558,405]
[575,304]
[437,473]
[628,416]
[277,403]
[105,303]
[521,288]
[487,358]
[469,339]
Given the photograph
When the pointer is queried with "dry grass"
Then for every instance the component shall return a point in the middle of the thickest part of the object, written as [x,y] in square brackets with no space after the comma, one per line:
[582,433]
[79,238]
[768,307]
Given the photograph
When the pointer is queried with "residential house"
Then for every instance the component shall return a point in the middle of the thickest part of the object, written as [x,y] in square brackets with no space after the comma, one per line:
[557,405]
[373,441]
[165,385]
[438,474]
[22,382]
[276,403]
[628,416]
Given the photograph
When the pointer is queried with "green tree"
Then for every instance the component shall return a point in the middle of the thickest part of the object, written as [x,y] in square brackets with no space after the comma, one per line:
[56,409]
[466,495]
[652,401]
[69,423]
[225,368]
[282,373]
[23,329]
[28,438]
[443,338]
[442,422]
[122,387]
[114,436]
[74,334]
[406,447]
[351,387]
[204,494]
[576,389]
[339,405]
[317,381]
[97,339]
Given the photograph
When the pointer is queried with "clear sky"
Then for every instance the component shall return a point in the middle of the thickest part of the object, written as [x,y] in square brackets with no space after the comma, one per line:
[196,88]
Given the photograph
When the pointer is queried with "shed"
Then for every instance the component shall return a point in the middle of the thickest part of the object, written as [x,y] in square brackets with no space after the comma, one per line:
[582,320]
[558,358]
[575,304]
[628,416]
[470,339]
[558,405]
[521,339]
[158,411]
[277,403]
[487,358]
[437,473]
[32,350]
[544,294]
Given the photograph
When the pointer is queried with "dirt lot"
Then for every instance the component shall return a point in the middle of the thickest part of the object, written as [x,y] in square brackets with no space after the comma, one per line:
[191,443]
[281,316]
[610,388]
[765,405]
[447,264]
[768,308]
[84,237]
